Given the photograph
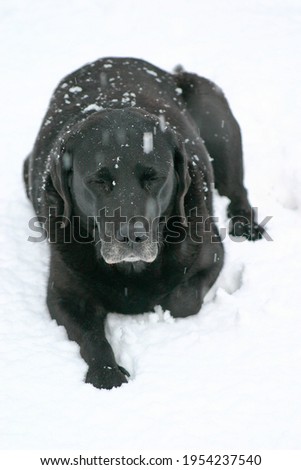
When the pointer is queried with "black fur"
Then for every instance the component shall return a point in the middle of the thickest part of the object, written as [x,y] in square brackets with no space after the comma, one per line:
[121,133]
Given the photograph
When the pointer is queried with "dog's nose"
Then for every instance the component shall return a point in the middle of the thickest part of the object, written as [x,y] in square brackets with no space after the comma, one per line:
[131,233]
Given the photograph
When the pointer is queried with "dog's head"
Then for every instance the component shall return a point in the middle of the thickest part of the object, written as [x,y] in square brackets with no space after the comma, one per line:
[126,171]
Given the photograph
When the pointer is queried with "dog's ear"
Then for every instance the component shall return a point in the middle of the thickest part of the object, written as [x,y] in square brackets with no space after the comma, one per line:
[183,177]
[60,170]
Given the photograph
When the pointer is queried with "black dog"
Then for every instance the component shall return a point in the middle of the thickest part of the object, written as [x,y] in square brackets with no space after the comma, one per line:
[121,178]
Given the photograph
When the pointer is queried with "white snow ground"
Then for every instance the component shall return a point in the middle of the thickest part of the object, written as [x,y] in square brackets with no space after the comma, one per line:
[228,377]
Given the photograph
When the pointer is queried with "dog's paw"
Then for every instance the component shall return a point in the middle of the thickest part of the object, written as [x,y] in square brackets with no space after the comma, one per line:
[106,376]
[242,227]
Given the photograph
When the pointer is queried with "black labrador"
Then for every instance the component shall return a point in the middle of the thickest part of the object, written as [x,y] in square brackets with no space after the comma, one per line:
[121,177]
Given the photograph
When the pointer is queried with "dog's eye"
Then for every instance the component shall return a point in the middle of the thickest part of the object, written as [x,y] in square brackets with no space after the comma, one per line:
[104,183]
[150,178]
[153,183]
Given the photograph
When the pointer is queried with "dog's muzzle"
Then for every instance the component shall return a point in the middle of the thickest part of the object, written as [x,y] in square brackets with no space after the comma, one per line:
[130,243]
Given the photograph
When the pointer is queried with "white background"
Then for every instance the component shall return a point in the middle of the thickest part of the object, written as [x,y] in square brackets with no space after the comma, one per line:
[228,377]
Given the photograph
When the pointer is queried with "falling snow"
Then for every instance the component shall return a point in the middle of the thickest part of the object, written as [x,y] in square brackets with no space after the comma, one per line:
[92,107]
[129,98]
[148,142]
[151,72]
[75,89]
[67,161]
[162,122]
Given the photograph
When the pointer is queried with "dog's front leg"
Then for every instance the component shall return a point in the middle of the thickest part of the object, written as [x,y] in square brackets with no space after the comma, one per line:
[103,370]
[84,324]
[187,298]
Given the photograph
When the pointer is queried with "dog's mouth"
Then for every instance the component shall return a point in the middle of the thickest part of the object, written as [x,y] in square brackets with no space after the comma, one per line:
[131,259]
[120,252]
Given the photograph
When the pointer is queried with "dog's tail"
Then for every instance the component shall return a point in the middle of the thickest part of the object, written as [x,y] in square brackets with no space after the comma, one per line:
[179,69]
